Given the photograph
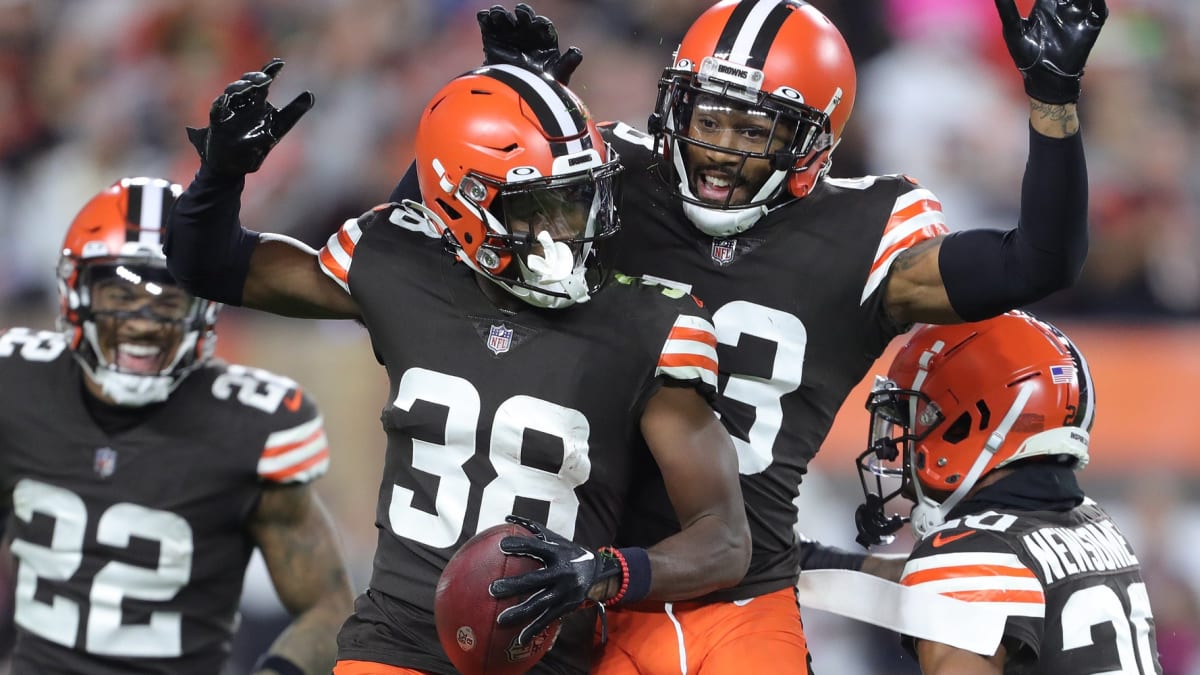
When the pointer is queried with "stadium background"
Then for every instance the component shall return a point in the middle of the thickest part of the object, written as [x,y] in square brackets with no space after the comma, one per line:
[92,90]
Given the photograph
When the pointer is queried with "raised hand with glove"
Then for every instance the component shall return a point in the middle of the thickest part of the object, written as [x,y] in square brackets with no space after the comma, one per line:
[1051,45]
[243,126]
[573,576]
[208,251]
[522,38]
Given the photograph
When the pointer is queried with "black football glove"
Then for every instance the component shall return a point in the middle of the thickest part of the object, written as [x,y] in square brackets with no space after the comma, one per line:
[557,589]
[527,40]
[243,126]
[1051,47]
[817,556]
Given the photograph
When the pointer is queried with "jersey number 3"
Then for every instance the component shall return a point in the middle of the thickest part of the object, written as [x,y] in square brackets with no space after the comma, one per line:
[58,619]
[765,395]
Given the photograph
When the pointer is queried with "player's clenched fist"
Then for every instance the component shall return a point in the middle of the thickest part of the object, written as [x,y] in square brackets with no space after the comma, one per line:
[243,126]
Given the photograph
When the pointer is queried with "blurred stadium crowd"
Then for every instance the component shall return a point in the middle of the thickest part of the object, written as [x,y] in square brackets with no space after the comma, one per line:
[93,90]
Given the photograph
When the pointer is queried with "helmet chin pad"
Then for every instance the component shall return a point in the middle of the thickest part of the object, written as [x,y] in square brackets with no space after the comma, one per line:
[126,389]
[723,222]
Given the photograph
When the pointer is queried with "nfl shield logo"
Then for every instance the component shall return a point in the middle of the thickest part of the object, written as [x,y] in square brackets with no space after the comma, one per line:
[105,462]
[722,250]
[499,339]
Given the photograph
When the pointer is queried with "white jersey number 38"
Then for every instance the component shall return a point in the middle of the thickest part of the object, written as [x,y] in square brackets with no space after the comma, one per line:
[443,528]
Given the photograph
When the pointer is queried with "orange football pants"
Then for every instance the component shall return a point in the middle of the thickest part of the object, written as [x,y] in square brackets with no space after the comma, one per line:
[371,668]
[759,635]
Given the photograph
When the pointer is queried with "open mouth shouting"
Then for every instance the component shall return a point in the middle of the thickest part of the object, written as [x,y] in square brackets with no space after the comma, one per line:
[139,358]
[716,186]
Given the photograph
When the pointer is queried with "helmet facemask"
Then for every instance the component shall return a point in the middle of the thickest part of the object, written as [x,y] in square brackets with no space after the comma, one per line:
[543,234]
[726,188]
[137,333]
[887,467]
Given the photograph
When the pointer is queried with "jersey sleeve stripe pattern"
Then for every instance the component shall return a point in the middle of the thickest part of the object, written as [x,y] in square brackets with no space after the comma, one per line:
[295,455]
[690,352]
[337,254]
[998,579]
[916,216]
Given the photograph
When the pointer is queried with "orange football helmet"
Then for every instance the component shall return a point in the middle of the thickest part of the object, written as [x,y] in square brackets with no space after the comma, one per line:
[960,401]
[515,175]
[117,239]
[779,60]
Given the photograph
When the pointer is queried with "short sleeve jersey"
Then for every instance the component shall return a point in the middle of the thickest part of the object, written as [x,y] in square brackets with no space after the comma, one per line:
[489,413]
[131,547]
[797,301]
[1068,582]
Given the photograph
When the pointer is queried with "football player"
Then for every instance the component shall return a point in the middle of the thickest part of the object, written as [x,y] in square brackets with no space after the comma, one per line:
[807,277]
[141,474]
[985,425]
[519,380]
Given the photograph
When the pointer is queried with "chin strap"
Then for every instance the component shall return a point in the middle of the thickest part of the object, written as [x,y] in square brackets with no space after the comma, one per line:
[722,223]
[928,514]
[133,390]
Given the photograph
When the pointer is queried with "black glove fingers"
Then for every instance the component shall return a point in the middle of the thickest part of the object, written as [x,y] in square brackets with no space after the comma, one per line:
[527,546]
[526,523]
[504,20]
[287,117]
[256,78]
[535,605]
[542,30]
[536,626]
[1010,16]
[1099,13]
[524,15]
[537,580]
[272,68]
[566,65]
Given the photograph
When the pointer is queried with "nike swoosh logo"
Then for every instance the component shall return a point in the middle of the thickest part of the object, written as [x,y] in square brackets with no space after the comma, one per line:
[293,402]
[940,541]
[586,556]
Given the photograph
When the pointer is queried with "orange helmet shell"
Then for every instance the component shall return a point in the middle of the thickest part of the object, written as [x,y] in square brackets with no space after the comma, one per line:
[971,374]
[503,125]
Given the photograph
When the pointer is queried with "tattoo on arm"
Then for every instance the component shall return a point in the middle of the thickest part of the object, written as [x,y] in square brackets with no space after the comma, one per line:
[300,548]
[909,258]
[1063,118]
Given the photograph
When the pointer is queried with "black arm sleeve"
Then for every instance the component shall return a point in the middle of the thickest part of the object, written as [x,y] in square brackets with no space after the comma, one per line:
[208,250]
[408,187]
[988,272]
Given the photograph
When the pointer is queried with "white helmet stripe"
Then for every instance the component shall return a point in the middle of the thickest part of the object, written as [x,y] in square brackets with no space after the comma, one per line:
[149,201]
[748,35]
[558,114]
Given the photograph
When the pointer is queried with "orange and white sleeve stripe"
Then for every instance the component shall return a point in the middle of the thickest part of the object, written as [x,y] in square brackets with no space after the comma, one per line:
[999,580]
[296,455]
[690,352]
[916,216]
[337,254]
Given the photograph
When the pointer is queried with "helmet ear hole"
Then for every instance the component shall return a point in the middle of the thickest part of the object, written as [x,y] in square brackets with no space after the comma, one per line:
[958,431]
[448,210]
[985,414]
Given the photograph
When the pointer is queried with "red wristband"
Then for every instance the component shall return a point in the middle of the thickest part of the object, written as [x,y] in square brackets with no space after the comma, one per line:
[616,553]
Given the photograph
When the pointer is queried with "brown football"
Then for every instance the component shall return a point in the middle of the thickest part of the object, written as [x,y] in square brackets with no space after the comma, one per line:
[465,613]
